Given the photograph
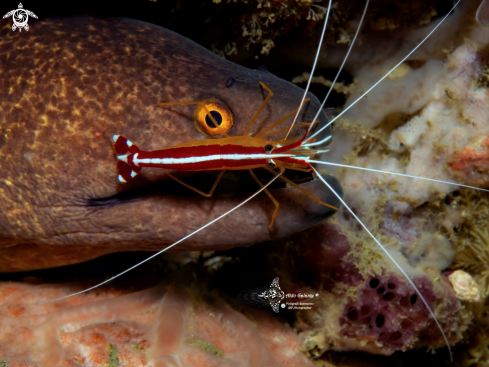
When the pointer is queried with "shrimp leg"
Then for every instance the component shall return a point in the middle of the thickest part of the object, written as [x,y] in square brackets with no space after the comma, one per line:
[268,193]
[265,102]
[292,183]
[197,190]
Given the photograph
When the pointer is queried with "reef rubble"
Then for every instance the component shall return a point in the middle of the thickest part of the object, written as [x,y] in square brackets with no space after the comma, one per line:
[428,119]
[164,325]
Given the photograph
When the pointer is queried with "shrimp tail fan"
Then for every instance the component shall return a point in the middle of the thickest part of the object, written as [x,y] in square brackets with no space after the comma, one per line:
[125,150]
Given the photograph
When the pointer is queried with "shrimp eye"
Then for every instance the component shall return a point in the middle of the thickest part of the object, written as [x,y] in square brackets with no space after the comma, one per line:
[213,117]
[271,164]
[268,148]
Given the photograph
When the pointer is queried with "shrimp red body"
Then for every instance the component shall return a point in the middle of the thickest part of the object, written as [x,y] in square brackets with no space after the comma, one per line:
[232,153]
[228,153]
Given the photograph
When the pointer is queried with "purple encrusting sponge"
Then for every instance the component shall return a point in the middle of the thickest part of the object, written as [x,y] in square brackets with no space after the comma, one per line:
[388,311]
[364,310]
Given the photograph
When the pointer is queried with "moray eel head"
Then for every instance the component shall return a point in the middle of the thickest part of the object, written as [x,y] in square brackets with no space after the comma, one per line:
[73,83]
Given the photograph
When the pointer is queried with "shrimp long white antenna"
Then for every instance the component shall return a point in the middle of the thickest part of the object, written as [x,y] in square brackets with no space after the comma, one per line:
[379,81]
[172,245]
[390,257]
[341,67]
[396,174]
[313,68]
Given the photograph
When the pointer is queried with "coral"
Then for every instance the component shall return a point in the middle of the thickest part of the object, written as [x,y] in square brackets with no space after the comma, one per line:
[265,20]
[235,26]
[474,256]
[444,125]
[472,161]
[471,236]
[165,324]
[475,352]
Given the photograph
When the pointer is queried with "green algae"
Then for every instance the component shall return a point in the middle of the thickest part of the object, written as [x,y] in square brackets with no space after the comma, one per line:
[204,345]
[135,346]
[113,360]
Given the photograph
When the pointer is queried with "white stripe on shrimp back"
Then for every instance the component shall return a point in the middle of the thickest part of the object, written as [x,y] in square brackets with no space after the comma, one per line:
[207,158]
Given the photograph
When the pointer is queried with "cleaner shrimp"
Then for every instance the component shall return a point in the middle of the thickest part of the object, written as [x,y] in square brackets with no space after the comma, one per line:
[250,153]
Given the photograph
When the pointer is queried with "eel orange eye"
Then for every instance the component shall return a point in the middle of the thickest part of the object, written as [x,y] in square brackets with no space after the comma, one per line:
[210,112]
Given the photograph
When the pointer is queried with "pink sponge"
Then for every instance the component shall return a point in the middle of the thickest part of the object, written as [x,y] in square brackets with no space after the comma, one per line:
[388,311]
[362,310]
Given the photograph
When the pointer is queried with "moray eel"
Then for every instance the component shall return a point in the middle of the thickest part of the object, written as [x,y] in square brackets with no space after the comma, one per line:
[67,86]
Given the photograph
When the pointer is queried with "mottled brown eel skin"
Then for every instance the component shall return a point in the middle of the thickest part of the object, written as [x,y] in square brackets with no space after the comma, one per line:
[68,85]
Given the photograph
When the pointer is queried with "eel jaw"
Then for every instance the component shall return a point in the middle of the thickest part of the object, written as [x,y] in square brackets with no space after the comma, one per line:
[147,217]
[232,183]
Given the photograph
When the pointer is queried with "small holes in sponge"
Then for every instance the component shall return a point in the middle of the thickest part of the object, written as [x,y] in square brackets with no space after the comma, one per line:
[374,283]
[386,311]
[379,320]
[352,315]
[413,299]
